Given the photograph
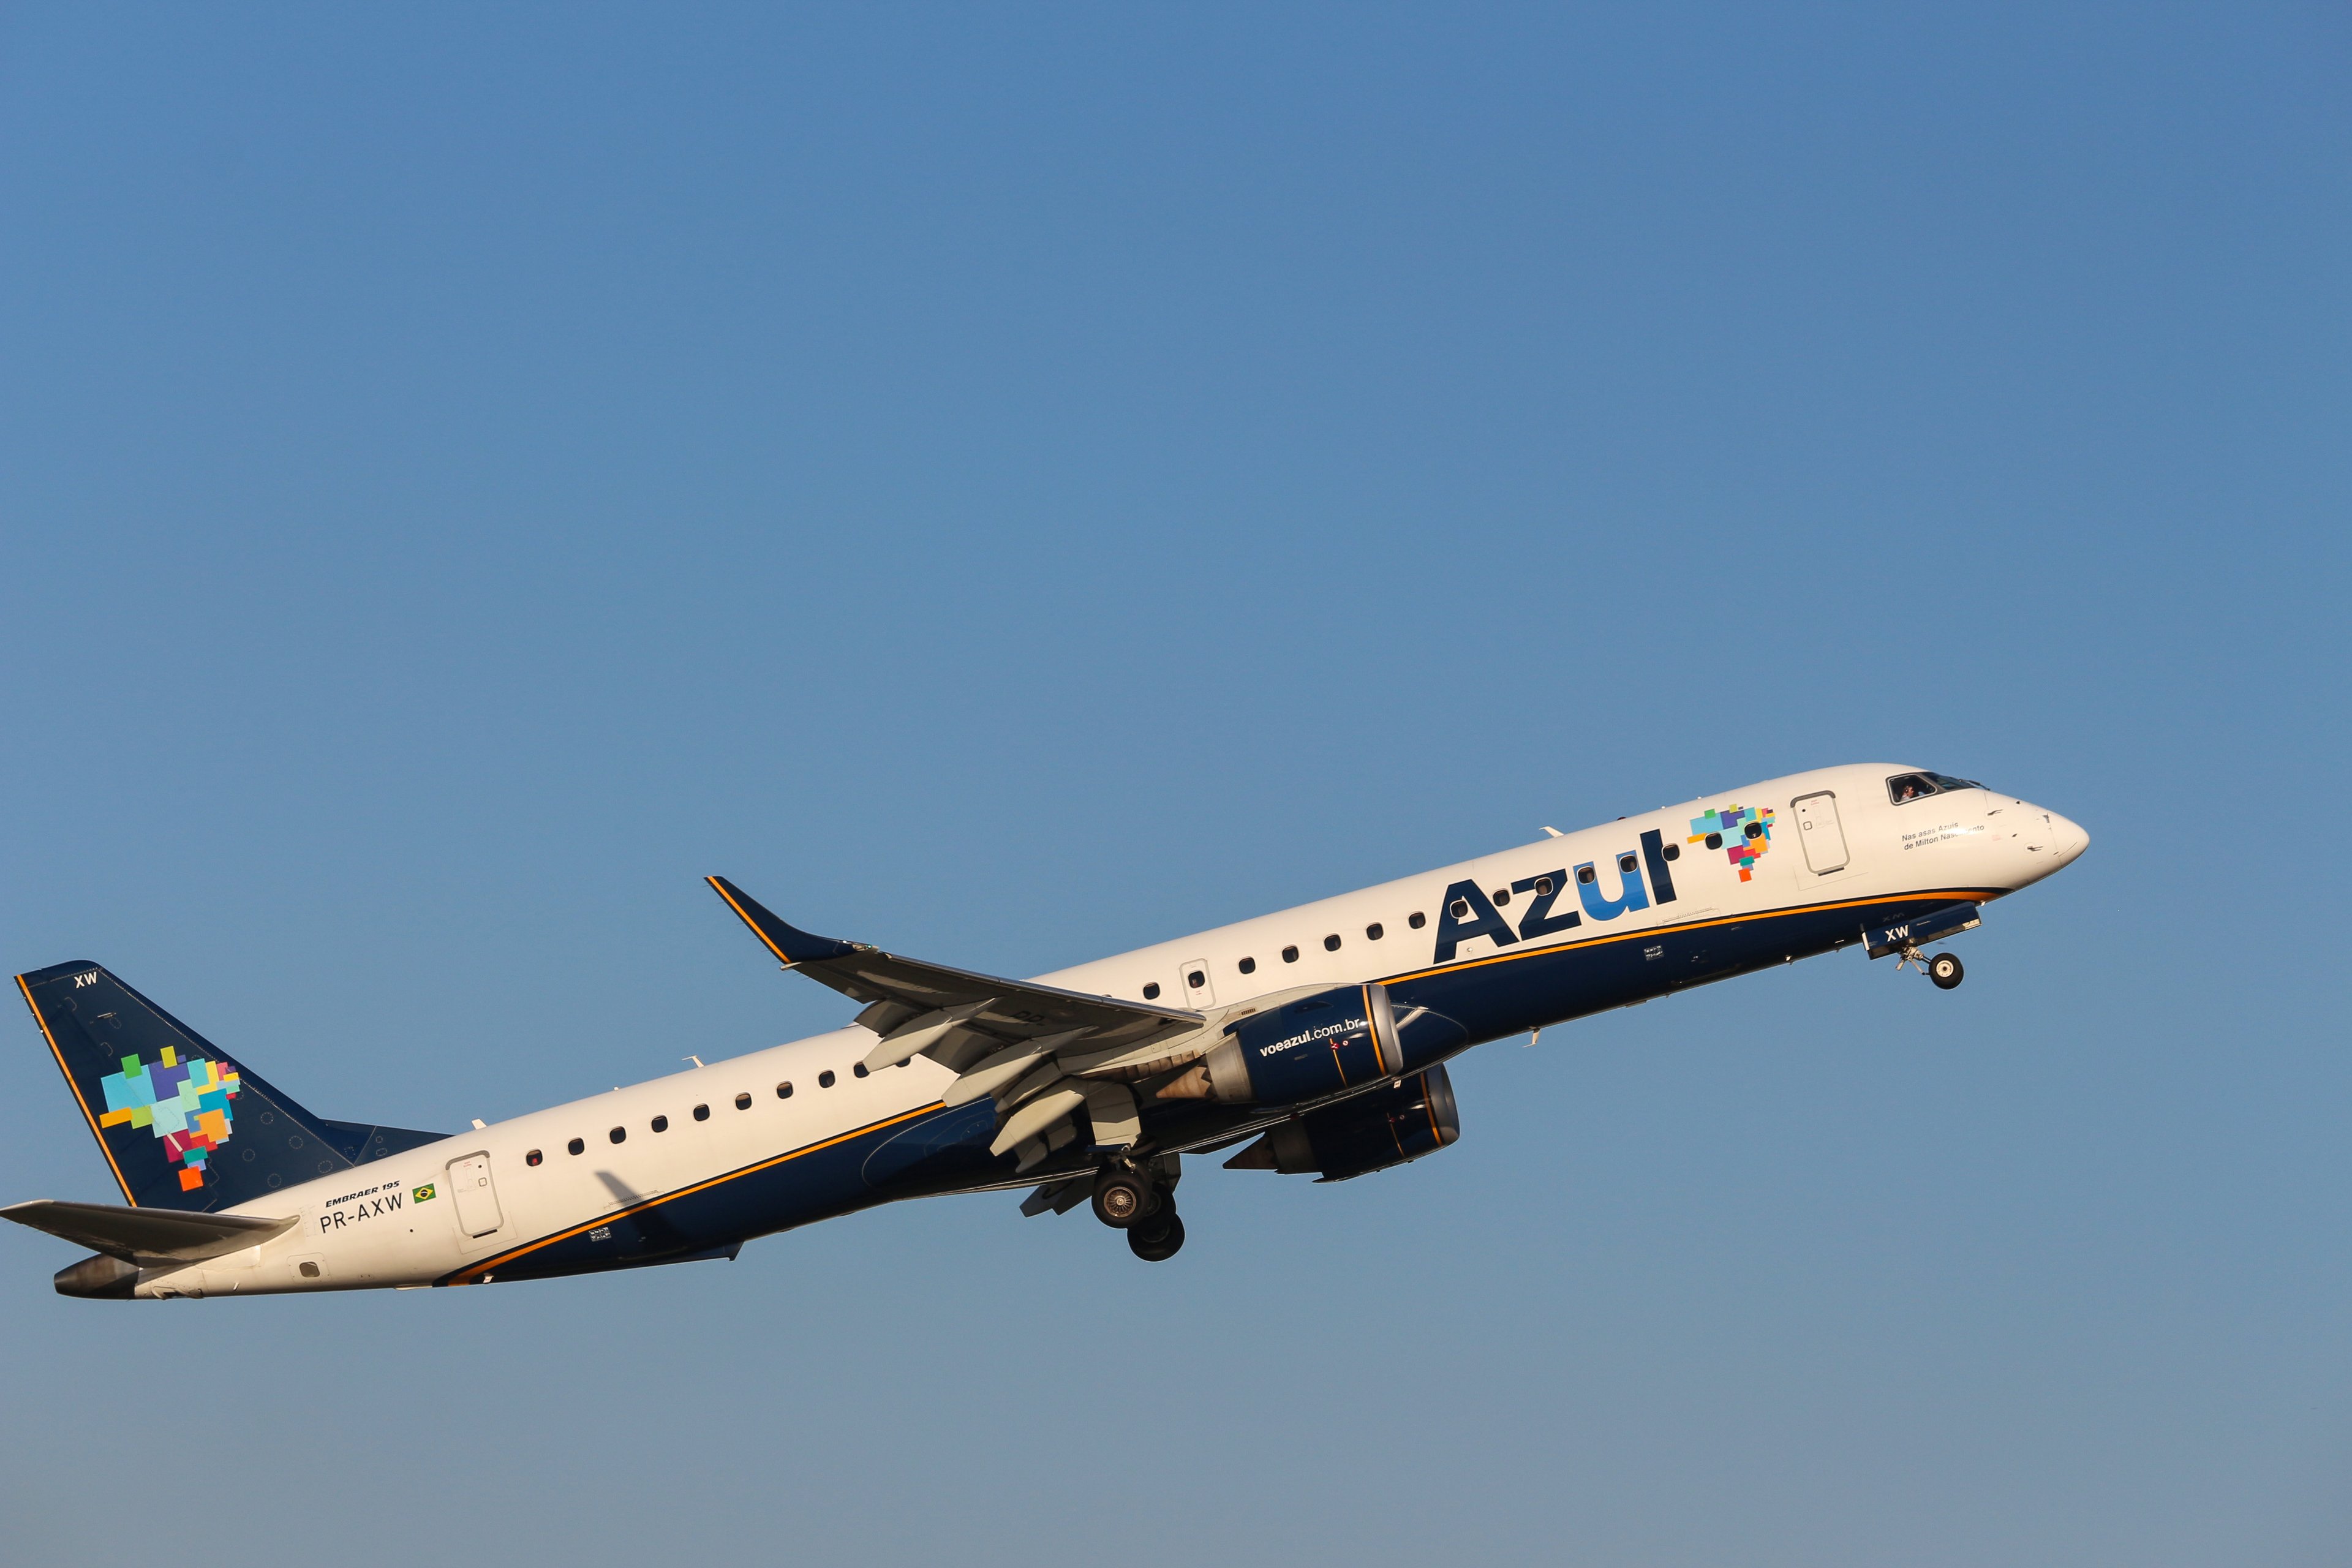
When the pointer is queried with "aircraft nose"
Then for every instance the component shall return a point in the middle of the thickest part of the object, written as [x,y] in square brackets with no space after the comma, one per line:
[2072,839]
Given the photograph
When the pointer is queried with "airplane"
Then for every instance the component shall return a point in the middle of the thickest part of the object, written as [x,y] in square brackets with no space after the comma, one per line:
[1315,1039]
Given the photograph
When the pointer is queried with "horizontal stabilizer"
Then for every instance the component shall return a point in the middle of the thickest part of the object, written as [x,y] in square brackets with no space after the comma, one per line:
[145,1236]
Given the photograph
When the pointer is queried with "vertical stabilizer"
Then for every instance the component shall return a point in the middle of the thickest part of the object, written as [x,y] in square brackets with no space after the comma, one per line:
[183,1124]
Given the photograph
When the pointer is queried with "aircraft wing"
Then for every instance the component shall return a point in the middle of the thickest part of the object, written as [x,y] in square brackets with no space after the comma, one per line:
[1040,1051]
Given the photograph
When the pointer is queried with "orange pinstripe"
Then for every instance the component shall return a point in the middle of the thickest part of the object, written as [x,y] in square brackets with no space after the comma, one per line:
[1976,893]
[486,1265]
[747,921]
[86,1115]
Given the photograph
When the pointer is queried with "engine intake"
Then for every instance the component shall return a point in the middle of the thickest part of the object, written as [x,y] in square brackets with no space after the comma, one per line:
[1367,1132]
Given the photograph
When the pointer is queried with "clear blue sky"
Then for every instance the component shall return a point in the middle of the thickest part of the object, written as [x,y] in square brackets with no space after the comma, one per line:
[1015,485]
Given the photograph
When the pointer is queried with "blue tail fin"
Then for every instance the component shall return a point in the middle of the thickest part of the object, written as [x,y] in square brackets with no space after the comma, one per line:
[183,1124]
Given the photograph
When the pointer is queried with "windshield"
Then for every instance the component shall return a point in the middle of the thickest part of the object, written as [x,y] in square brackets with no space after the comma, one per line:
[1920,786]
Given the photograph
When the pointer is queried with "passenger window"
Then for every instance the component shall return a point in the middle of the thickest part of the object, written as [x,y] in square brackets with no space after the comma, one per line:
[1543,885]
[743,1101]
[1373,932]
[1196,980]
[784,1090]
[532,1158]
[702,1113]
[1673,852]
[1247,966]
[825,1078]
[1331,943]
[661,1123]
[1715,841]
[1625,864]
[1501,895]
[1461,908]
[618,1134]
[577,1146]
[1584,874]
[859,1071]
[309,1270]
[1151,992]
[1289,955]
[1416,920]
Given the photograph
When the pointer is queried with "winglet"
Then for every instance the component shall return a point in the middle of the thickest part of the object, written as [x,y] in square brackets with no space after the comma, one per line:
[790,944]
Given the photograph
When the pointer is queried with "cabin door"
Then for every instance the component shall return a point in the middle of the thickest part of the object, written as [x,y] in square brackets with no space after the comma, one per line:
[476,1199]
[1819,831]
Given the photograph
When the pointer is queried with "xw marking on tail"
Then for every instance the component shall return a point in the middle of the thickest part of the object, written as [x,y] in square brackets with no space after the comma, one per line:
[87,977]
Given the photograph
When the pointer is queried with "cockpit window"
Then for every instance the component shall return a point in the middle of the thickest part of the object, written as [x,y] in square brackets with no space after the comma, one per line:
[1919,786]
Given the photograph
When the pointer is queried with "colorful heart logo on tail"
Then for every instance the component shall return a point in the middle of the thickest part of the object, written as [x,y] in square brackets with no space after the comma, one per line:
[186,1104]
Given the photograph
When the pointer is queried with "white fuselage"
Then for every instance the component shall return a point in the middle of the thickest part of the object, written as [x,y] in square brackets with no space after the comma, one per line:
[497,1189]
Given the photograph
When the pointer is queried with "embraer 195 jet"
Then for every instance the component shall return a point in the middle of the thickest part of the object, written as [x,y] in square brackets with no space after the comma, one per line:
[1316,1038]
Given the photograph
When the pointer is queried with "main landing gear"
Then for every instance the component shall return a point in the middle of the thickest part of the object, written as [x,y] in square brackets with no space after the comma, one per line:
[1138,1203]
[1157,1240]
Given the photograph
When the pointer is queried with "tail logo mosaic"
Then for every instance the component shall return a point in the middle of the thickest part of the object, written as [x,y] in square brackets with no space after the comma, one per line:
[186,1104]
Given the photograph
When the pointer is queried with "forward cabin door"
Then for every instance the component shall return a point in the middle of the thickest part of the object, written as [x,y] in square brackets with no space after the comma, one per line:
[476,1200]
[1819,831]
[1200,989]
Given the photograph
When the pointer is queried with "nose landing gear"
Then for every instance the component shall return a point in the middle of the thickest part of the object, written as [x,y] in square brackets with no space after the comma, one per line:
[1944,971]
[1902,943]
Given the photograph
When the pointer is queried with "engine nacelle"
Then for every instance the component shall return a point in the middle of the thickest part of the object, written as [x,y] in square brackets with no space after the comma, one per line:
[1323,1044]
[1367,1132]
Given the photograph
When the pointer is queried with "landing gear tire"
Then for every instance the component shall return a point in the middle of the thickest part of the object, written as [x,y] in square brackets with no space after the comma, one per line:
[1158,1238]
[1945,971]
[1122,1198]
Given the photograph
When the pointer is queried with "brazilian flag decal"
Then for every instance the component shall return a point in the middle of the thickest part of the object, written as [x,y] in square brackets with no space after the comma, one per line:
[422,1195]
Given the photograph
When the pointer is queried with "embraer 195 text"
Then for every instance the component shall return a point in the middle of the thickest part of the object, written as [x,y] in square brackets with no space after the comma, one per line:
[1318,1035]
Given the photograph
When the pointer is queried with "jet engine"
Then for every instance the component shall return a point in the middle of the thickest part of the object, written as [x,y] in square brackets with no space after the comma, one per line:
[1367,1132]
[1314,1047]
